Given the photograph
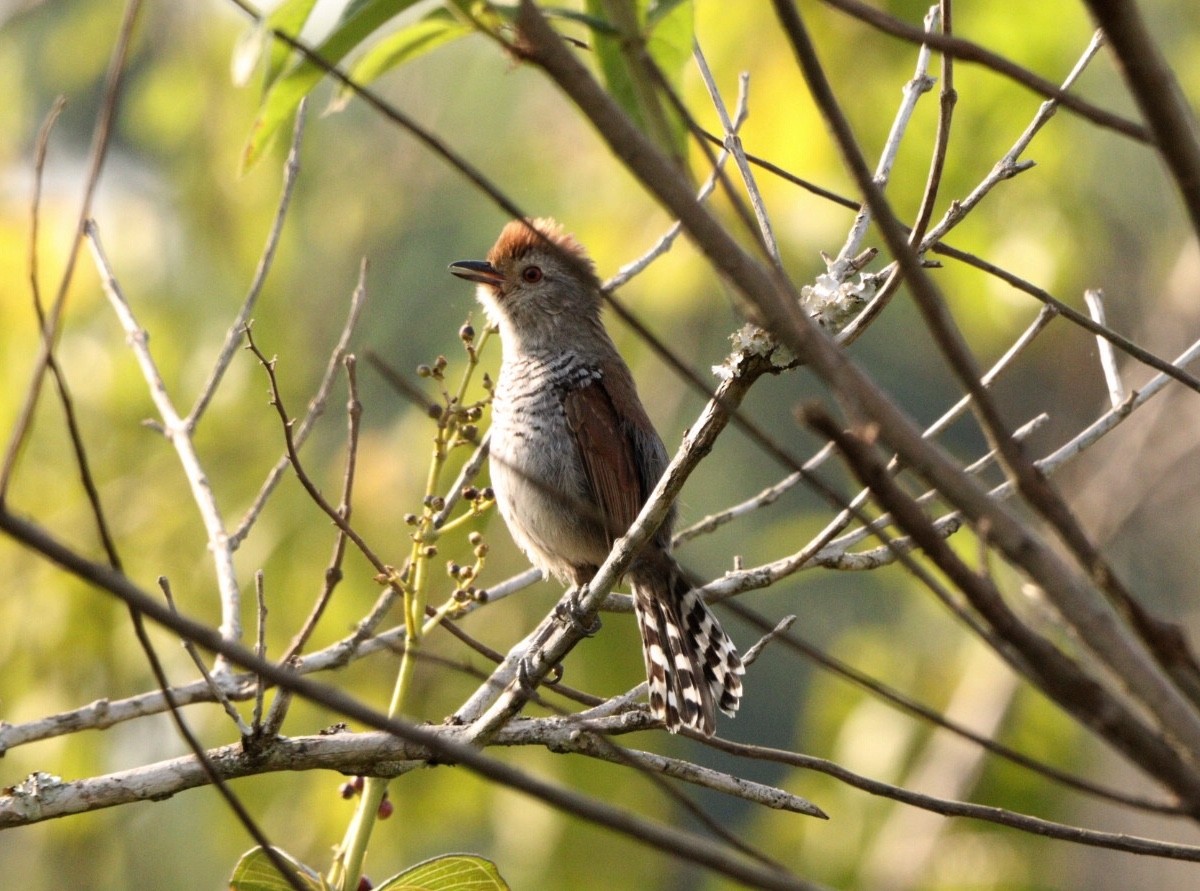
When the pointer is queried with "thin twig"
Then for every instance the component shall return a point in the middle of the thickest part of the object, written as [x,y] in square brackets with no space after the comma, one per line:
[74,431]
[260,649]
[733,145]
[218,693]
[293,455]
[233,337]
[316,407]
[948,97]
[1108,359]
[917,86]
[781,627]
[333,572]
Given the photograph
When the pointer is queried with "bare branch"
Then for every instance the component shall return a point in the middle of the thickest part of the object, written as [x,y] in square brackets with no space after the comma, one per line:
[1142,657]
[920,84]
[733,145]
[1108,359]
[176,431]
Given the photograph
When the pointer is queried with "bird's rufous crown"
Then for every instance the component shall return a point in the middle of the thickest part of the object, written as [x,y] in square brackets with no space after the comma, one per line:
[521,236]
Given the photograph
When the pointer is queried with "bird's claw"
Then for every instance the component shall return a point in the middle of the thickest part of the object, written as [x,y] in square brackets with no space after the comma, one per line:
[571,612]
[525,682]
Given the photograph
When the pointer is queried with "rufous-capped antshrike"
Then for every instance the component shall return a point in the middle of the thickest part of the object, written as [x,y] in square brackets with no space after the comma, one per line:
[574,457]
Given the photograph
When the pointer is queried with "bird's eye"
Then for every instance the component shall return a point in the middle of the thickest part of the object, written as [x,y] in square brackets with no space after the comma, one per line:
[532,274]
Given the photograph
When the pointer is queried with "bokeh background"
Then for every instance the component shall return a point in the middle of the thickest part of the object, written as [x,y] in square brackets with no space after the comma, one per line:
[184,230]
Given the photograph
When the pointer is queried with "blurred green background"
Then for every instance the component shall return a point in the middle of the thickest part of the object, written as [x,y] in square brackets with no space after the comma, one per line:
[184,232]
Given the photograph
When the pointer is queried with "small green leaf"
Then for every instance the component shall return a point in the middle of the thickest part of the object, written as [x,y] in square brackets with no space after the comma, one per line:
[285,93]
[449,872]
[436,29]
[256,872]
[288,17]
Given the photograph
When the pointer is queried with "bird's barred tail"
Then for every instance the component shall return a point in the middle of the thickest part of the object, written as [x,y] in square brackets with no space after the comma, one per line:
[692,666]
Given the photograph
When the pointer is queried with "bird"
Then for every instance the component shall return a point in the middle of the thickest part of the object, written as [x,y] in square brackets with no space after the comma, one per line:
[574,456]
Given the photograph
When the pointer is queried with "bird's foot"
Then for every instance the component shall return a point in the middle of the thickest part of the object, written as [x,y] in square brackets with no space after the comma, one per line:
[570,612]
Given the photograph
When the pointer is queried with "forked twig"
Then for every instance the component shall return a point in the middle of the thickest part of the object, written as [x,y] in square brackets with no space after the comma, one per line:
[175,429]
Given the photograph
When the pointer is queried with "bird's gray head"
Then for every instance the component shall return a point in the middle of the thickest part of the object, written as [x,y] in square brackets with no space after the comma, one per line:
[536,280]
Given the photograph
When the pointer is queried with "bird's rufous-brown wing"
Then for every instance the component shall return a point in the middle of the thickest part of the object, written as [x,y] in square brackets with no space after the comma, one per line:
[606,444]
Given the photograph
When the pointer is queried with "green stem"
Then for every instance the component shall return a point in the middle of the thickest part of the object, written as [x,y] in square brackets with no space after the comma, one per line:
[463,520]
[347,866]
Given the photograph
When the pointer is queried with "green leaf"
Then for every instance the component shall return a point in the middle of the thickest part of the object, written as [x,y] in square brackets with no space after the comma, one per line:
[285,94]
[436,29]
[256,872]
[671,27]
[288,17]
[449,872]
[614,67]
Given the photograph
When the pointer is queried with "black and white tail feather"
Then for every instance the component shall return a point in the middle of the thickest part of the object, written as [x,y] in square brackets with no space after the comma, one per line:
[692,666]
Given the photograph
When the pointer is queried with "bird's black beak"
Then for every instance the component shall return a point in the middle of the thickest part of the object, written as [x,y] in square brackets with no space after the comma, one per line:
[477,271]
